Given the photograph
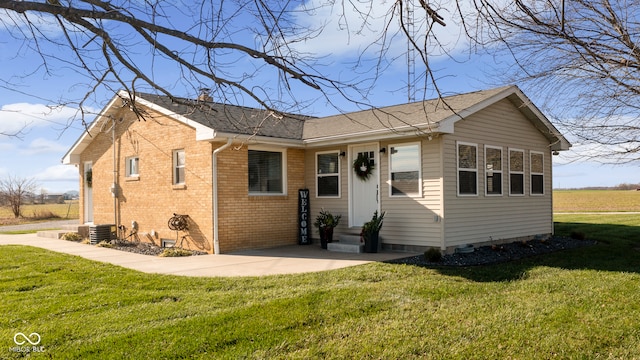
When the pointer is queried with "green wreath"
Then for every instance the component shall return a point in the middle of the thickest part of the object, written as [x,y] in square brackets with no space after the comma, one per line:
[362,167]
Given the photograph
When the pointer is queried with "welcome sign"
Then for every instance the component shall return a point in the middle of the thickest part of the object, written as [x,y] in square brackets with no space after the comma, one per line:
[304,231]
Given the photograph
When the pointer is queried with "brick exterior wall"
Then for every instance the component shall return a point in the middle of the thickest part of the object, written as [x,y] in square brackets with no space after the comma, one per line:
[245,222]
[252,222]
[151,199]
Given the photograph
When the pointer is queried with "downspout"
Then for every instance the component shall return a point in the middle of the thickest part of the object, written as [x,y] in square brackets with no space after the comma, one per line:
[214,165]
[114,188]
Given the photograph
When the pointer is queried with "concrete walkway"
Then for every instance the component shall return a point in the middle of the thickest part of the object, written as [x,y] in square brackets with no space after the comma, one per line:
[283,260]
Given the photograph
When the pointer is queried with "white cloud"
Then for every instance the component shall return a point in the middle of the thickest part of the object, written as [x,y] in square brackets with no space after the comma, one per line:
[43,25]
[43,146]
[58,173]
[5,148]
[23,116]
[348,28]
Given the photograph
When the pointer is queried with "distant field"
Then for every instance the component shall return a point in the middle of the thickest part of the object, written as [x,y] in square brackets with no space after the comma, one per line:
[595,200]
[32,213]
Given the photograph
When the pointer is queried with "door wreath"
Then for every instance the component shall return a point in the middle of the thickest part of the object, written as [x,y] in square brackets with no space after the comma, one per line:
[362,167]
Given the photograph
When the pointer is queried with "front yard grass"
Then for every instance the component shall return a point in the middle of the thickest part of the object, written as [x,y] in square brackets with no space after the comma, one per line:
[581,303]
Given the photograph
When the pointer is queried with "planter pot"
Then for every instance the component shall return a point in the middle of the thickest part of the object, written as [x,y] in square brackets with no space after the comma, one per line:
[326,236]
[371,242]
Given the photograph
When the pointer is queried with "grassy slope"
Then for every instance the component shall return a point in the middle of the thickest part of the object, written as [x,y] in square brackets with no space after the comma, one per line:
[576,304]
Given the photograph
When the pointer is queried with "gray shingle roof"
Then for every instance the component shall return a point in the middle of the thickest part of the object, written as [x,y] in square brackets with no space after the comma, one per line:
[436,115]
[233,119]
[417,115]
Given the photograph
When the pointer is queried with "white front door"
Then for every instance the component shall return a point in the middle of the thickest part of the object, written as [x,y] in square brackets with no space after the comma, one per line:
[364,193]
[88,193]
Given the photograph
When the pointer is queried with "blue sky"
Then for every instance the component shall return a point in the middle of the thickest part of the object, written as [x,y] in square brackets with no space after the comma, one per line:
[50,129]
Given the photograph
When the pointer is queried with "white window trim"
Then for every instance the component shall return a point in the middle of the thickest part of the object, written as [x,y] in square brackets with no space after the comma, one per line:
[127,169]
[284,170]
[531,173]
[339,173]
[175,166]
[458,168]
[420,183]
[524,178]
[486,171]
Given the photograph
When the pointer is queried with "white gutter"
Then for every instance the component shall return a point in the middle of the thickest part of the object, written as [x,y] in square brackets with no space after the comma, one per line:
[214,165]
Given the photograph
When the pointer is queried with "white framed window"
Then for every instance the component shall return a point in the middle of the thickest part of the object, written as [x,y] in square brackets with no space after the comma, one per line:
[467,161]
[267,171]
[516,172]
[179,166]
[132,163]
[493,170]
[328,174]
[405,170]
[536,162]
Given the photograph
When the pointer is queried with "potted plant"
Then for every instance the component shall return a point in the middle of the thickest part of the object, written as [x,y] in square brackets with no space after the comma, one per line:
[370,233]
[326,222]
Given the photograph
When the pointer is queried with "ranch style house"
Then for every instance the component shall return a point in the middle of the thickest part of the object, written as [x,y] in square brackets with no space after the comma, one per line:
[467,169]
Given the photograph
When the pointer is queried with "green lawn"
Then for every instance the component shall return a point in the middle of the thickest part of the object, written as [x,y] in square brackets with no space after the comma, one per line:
[578,304]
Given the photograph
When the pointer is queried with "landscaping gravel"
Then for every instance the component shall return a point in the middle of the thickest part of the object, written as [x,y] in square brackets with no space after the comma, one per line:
[143,248]
[500,253]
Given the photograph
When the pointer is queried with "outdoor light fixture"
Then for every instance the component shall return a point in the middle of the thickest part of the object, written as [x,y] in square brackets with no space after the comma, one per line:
[343,154]
[383,150]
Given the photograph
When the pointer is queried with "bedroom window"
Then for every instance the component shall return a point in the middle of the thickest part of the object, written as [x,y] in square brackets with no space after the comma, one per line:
[179,163]
[266,172]
[493,163]
[516,172]
[467,157]
[328,174]
[537,173]
[404,164]
[131,164]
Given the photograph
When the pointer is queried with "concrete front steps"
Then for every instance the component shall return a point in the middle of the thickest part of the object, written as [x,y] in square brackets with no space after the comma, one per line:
[83,230]
[347,243]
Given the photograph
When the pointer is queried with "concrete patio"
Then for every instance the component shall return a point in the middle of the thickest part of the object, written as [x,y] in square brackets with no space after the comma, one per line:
[282,260]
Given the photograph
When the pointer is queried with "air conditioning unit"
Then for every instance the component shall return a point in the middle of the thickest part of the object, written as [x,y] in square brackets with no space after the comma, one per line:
[100,233]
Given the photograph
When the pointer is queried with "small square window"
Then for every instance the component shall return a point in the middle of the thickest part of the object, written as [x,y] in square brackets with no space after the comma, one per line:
[493,163]
[537,173]
[404,162]
[516,172]
[467,159]
[266,172]
[132,164]
[179,165]
[328,174]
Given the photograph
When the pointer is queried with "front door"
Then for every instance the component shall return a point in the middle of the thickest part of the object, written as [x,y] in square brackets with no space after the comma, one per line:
[364,194]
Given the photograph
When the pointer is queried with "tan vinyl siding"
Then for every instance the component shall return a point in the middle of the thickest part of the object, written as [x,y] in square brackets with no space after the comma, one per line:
[409,220]
[337,206]
[413,220]
[482,218]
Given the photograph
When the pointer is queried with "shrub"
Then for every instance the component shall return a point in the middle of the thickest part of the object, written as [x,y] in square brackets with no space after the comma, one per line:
[175,252]
[43,215]
[433,255]
[105,244]
[578,235]
[71,236]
